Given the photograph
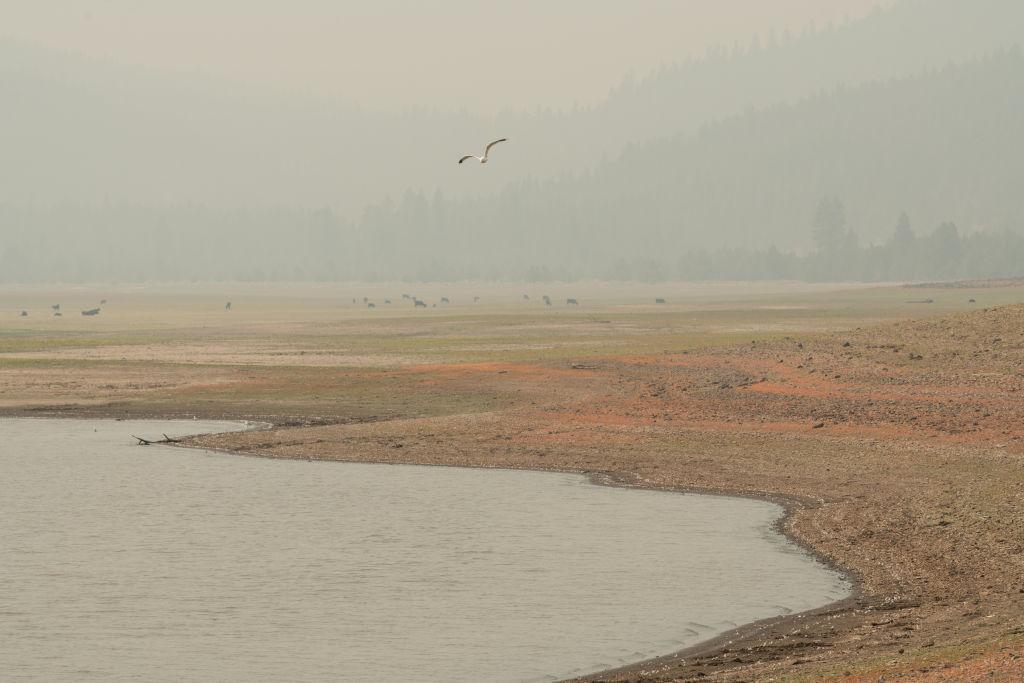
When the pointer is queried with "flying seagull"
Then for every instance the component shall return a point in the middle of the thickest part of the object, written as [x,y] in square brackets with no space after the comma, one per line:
[483,159]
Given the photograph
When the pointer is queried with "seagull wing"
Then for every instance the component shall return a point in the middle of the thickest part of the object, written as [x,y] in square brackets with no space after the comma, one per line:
[488,148]
[468,156]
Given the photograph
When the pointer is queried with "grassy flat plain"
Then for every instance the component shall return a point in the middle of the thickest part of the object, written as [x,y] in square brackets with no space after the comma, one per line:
[891,427]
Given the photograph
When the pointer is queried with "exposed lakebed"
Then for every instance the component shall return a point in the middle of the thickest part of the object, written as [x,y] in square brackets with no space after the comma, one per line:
[121,561]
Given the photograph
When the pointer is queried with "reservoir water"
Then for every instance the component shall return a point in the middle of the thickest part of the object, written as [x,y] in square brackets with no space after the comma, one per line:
[121,562]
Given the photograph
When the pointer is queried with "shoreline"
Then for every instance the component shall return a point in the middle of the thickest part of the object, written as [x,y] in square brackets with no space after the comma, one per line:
[712,646]
[715,645]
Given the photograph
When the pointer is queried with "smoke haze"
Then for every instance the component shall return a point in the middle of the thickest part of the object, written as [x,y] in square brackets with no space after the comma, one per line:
[655,140]
[478,55]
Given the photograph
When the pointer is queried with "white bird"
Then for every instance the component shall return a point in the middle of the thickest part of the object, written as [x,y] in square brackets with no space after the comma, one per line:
[483,159]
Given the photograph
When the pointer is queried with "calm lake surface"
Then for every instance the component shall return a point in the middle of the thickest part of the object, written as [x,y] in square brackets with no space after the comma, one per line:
[122,562]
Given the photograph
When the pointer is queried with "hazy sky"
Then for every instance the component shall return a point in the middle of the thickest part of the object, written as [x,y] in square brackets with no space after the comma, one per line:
[479,54]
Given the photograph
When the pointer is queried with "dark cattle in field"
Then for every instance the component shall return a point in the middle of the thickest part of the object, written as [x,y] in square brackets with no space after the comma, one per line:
[227,306]
[24,314]
[659,301]
[445,300]
[387,301]
[91,311]
[526,297]
[57,314]
[103,302]
[371,305]
[419,304]
[572,302]
[55,307]
[406,296]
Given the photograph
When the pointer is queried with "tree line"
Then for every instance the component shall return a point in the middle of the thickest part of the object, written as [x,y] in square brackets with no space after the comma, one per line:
[138,244]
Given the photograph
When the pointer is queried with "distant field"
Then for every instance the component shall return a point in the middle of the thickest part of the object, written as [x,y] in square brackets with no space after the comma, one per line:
[319,325]
[306,351]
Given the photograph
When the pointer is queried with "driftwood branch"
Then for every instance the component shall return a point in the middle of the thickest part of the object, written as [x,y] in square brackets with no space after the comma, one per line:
[148,442]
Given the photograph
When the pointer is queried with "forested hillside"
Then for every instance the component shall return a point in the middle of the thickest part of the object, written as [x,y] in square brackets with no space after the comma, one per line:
[712,168]
[947,146]
[86,131]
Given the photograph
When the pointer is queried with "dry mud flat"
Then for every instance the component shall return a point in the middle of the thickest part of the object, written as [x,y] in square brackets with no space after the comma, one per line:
[899,449]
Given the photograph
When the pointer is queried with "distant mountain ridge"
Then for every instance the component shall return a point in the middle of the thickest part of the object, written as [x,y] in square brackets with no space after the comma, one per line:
[117,173]
[89,132]
[944,146]
[947,147]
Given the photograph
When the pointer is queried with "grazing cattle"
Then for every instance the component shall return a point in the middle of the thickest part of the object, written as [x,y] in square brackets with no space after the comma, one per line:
[366,299]
[55,307]
[659,300]
[227,306]
[572,302]
[419,304]
[526,297]
[371,305]
[406,296]
[387,301]
[91,311]
[103,302]
[445,300]
[972,301]
[24,314]
[57,314]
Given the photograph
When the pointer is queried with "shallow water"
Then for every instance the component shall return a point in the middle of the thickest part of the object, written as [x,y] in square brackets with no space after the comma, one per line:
[123,562]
